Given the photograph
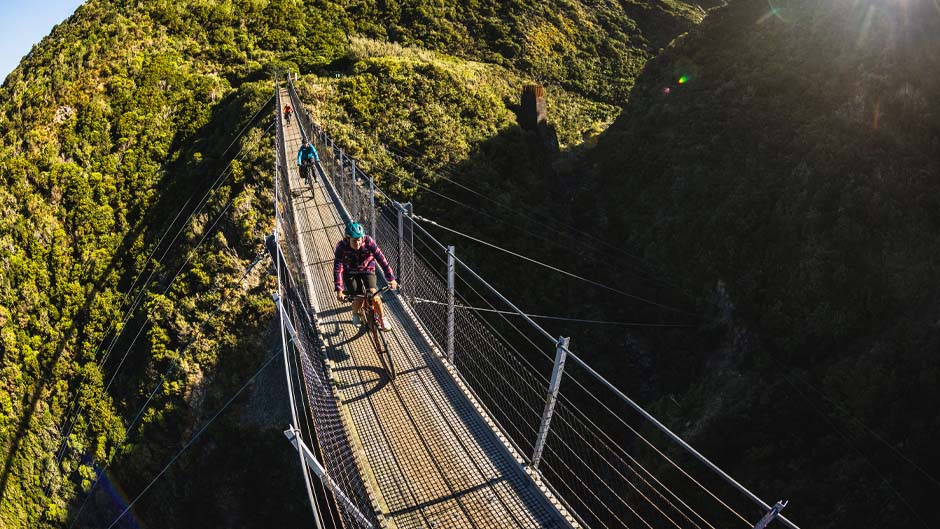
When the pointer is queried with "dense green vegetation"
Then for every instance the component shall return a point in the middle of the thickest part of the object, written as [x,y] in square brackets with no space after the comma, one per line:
[109,127]
[594,48]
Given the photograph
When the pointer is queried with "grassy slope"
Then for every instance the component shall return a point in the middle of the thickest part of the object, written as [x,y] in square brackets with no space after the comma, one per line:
[797,165]
[595,48]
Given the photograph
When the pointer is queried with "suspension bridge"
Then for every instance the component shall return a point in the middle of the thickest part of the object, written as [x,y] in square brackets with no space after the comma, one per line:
[476,431]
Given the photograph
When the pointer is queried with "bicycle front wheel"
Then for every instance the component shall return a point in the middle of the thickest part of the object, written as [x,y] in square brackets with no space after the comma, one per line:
[381,346]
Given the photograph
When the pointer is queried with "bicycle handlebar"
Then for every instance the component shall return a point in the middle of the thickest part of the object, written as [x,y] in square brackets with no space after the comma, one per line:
[350,299]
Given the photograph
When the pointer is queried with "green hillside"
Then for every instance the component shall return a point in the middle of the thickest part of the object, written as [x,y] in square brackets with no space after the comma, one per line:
[116,126]
[781,161]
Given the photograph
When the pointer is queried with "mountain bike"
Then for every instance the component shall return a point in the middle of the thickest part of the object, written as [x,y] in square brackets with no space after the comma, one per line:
[307,172]
[370,318]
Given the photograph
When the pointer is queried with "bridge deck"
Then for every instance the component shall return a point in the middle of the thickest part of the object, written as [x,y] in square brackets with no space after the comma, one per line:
[430,456]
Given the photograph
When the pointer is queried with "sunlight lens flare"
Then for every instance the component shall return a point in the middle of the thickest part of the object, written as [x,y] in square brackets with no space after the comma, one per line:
[773,12]
[119,499]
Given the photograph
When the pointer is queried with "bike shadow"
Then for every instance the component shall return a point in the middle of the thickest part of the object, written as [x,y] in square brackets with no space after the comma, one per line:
[327,313]
[334,338]
[368,384]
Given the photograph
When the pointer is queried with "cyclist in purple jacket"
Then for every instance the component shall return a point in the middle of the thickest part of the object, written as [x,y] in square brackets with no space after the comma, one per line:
[354,269]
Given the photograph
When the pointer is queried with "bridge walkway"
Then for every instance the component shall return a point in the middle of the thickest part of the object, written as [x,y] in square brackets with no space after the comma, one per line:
[429,453]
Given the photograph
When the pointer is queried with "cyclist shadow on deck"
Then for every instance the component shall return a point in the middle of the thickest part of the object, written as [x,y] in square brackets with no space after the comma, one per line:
[372,379]
[335,340]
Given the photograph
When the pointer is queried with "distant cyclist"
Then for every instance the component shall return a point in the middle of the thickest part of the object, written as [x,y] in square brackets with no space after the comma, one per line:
[287,113]
[306,157]
[354,269]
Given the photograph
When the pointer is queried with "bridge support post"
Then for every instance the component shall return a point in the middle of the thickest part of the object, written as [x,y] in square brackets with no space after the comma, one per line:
[354,208]
[317,468]
[284,317]
[403,210]
[561,353]
[332,160]
[771,515]
[372,206]
[450,304]
[400,209]
[410,209]
[341,174]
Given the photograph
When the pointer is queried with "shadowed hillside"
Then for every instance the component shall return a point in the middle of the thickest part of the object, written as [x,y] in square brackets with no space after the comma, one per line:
[783,161]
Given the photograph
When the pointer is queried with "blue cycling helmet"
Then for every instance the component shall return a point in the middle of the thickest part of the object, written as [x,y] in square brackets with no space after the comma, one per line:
[354,230]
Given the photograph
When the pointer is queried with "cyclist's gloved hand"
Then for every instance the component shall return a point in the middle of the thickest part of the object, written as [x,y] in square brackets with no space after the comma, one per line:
[393,284]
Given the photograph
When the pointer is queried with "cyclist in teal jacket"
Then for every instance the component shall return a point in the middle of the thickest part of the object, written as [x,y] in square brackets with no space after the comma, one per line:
[306,157]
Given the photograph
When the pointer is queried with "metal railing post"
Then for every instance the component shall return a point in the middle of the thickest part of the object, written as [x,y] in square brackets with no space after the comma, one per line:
[292,435]
[770,516]
[332,159]
[372,206]
[400,209]
[409,207]
[352,203]
[561,348]
[356,210]
[450,304]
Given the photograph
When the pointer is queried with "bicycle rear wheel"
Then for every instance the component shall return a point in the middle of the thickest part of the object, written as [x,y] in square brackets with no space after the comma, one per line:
[388,355]
[381,345]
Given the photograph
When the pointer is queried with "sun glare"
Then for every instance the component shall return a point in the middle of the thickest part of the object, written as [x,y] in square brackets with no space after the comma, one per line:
[773,11]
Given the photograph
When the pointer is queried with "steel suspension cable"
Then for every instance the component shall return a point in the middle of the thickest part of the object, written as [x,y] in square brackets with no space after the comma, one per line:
[640,492]
[250,121]
[550,267]
[77,410]
[165,291]
[845,438]
[646,441]
[193,439]
[166,374]
[662,427]
[646,414]
[616,447]
[581,235]
[577,431]
[540,236]
[408,158]
[140,295]
[854,419]
[559,318]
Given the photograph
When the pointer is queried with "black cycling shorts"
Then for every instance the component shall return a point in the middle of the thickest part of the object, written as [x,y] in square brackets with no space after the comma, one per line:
[358,283]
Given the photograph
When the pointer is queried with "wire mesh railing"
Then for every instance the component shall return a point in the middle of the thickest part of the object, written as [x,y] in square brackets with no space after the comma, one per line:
[606,459]
[322,427]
